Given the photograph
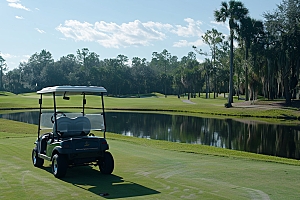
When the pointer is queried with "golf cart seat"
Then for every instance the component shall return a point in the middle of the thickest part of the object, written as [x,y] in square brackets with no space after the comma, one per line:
[69,127]
[44,140]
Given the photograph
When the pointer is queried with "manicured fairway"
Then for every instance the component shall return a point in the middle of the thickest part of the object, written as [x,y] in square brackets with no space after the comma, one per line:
[142,172]
[146,169]
[212,107]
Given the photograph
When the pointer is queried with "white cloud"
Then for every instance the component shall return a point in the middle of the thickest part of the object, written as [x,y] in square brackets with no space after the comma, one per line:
[185,43]
[18,5]
[136,33]
[37,9]
[113,35]
[220,24]
[129,62]
[62,38]
[191,30]
[181,43]
[13,1]
[200,60]
[19,17]
[158,25]
[23,60]
[235,44]
[40,31]
[7,55]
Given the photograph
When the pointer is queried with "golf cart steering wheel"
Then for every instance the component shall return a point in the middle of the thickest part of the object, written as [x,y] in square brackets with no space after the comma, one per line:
[52,117]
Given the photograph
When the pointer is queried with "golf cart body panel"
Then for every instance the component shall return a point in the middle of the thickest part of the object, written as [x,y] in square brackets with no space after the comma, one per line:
[71,142]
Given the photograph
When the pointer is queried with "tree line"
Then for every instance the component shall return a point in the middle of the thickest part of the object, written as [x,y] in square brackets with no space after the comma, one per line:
[115,74]
[265,62]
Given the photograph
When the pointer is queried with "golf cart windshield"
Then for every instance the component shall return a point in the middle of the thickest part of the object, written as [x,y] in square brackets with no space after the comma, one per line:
[64,121]
[73,124]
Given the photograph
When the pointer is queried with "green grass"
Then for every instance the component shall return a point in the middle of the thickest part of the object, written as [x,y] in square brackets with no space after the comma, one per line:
[10,126]
[6,93]
[146,169]
[201,149]
[203,106]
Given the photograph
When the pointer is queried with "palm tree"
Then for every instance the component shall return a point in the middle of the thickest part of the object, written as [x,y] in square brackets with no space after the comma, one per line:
[234,11]
[250,28]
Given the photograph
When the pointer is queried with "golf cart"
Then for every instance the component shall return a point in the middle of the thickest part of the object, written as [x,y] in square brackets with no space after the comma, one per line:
[70,142]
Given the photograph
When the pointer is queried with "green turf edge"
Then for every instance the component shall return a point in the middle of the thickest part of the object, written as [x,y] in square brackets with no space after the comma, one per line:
[214,107]
[10,129]
[289,119]
[201,149]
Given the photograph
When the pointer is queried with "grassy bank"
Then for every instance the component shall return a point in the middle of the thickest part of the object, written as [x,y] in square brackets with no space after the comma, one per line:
[202,106]
[146,169]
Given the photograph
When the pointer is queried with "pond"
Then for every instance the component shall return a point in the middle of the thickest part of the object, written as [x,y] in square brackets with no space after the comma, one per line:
[236,134]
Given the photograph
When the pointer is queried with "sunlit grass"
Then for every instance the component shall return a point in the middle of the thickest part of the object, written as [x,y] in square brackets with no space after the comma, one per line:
[211,106]
[6,93]
[146,169]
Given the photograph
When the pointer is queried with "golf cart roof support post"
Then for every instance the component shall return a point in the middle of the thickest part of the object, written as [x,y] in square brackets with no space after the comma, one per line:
[39,127]
[103,114]
[83,103]
[54,105]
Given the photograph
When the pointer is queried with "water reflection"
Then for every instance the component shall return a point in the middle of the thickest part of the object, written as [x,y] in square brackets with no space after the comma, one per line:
[250,136]
[244,135]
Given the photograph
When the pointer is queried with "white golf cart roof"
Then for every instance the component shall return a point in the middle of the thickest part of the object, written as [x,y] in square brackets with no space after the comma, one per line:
[72,90]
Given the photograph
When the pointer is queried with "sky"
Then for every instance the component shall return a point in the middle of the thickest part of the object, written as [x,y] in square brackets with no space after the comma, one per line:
[134,28]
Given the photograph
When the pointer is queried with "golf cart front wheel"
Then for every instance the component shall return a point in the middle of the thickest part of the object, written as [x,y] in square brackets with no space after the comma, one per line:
[106,164]
[37,162]
[59,166]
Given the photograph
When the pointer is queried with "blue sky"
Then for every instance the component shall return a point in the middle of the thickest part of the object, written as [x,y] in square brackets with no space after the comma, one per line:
[109,28]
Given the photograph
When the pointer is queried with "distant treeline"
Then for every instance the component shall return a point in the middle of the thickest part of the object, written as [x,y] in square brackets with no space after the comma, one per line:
[164,73]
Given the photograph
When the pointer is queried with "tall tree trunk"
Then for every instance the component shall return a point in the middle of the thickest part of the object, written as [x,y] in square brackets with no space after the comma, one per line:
[206,84]
[246,75]
[287,90]
[215,88]
[231,70]
[298,63]
[270,81]
[238,90]
[297,76]
[224,89]
[286,82]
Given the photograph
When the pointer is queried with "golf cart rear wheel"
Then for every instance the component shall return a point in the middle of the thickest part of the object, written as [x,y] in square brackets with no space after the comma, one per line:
[37,162]
[106,165]
[59,166]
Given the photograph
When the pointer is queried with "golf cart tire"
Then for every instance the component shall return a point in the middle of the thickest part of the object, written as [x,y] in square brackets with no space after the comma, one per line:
[59,165]
[106,165]
[37,162]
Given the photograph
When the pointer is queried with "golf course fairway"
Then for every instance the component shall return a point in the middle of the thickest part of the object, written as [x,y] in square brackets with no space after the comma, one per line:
[148,169]
[144,172]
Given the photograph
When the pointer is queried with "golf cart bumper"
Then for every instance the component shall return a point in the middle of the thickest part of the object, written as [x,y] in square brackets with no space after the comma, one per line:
[80,145]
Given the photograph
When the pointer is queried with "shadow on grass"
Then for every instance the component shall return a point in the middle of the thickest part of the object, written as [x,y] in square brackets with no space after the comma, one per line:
[113,186]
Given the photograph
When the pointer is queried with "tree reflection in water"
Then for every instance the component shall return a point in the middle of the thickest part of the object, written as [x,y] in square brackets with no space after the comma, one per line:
[237,134]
